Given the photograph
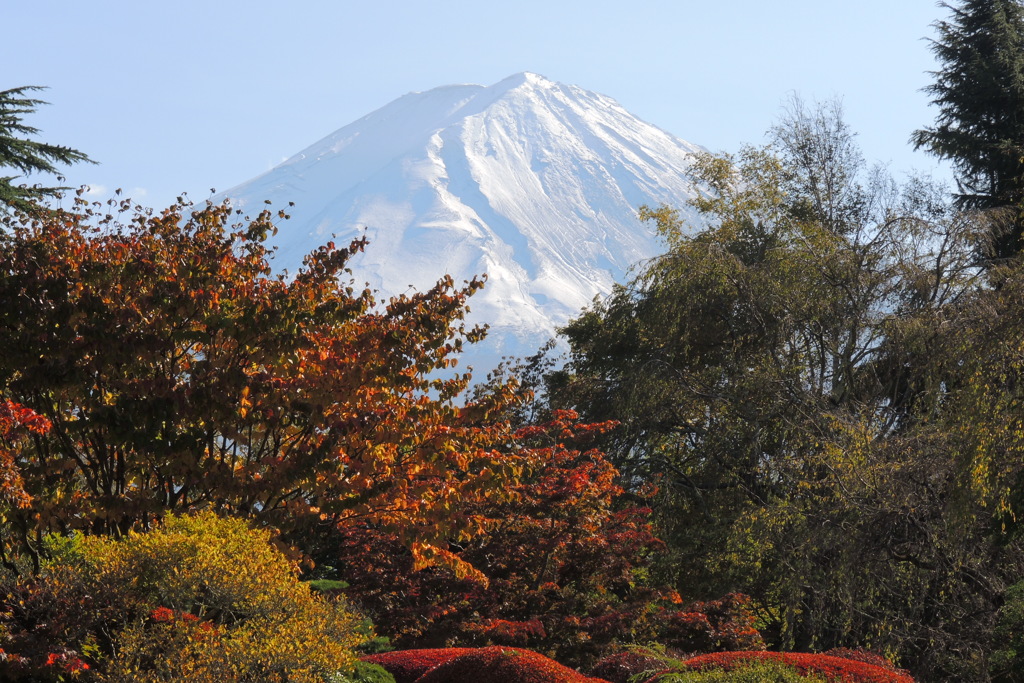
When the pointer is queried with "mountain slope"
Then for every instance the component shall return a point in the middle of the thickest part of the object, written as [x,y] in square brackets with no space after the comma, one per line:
[532,182]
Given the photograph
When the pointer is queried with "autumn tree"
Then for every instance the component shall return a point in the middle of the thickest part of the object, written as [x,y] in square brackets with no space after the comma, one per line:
[566,564]
[980,93]
[18,151]
[177,373]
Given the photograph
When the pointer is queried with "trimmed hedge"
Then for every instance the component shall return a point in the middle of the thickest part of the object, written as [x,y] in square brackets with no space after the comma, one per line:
[837,668]
[408,665]
[503,665]
[498,664]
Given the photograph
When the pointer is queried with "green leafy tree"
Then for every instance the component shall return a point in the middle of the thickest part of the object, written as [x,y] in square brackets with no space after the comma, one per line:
[980,126]
[19,152]
[774,313]
[789,377]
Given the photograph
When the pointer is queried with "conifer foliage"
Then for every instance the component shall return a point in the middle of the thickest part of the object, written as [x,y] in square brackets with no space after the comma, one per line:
[25,155]
[980,95]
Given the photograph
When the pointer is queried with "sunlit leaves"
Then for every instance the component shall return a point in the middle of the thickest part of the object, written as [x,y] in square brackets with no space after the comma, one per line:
[178,373]
[198,598]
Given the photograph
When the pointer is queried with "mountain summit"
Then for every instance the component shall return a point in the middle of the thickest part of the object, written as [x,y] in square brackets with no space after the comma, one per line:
[532,182]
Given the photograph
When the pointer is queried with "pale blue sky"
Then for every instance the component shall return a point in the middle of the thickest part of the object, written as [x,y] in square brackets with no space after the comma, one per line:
[190,95]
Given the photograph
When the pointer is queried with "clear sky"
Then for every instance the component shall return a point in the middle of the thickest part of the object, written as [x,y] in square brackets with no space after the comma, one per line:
[192,95]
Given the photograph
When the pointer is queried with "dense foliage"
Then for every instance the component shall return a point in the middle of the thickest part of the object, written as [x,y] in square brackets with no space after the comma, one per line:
[408,665]
[565,563]
[469,665]
[824,387]
[177,373]
[18,151]
[980,94]
[751,671]
[17,424]
[622,667]
[826,666]
[500,664]
[452,665]
[199,598]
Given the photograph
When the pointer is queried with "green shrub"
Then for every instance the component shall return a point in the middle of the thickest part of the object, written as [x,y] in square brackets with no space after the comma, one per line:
[367,672]
[1007,662]
[753,672]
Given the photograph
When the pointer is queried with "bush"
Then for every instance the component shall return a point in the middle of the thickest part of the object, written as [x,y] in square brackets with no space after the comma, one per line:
[645,665]
[198,598]
[865,656]
[408,665]
[503,665]
[749,672]
[624,666]
[368,672]
[828,667]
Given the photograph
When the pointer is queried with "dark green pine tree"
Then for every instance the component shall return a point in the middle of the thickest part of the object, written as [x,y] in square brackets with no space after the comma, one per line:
[25,155]
[980,126]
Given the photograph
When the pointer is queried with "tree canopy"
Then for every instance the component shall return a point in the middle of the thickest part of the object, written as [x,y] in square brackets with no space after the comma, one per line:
[800,379]
[176,373]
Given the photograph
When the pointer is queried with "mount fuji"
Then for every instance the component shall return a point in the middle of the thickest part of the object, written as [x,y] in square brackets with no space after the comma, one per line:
[533,183]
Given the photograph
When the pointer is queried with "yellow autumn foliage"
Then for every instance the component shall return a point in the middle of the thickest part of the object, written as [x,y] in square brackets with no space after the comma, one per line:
[204,598]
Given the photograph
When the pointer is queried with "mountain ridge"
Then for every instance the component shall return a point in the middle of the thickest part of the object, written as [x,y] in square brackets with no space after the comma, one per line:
[532,182]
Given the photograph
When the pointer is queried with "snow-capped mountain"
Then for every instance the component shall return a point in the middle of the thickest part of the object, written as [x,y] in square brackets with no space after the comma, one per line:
[532,182]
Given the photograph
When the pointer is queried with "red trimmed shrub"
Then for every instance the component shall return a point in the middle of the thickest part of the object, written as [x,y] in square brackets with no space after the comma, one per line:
[503,665]
[408,665]
[838,668]
[865,656]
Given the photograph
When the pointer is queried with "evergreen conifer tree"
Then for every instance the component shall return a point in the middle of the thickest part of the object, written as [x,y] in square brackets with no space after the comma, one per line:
[980,126]
[25,155]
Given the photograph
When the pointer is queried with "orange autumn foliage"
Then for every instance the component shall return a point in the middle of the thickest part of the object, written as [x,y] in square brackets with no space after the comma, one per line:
[178,373]
[17,424]
[566,562]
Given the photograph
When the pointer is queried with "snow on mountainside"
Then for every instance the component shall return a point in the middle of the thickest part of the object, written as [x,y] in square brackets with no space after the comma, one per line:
[532,182]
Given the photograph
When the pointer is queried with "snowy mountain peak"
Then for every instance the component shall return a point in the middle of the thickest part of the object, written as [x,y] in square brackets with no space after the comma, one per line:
[523,78]
[530,181]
